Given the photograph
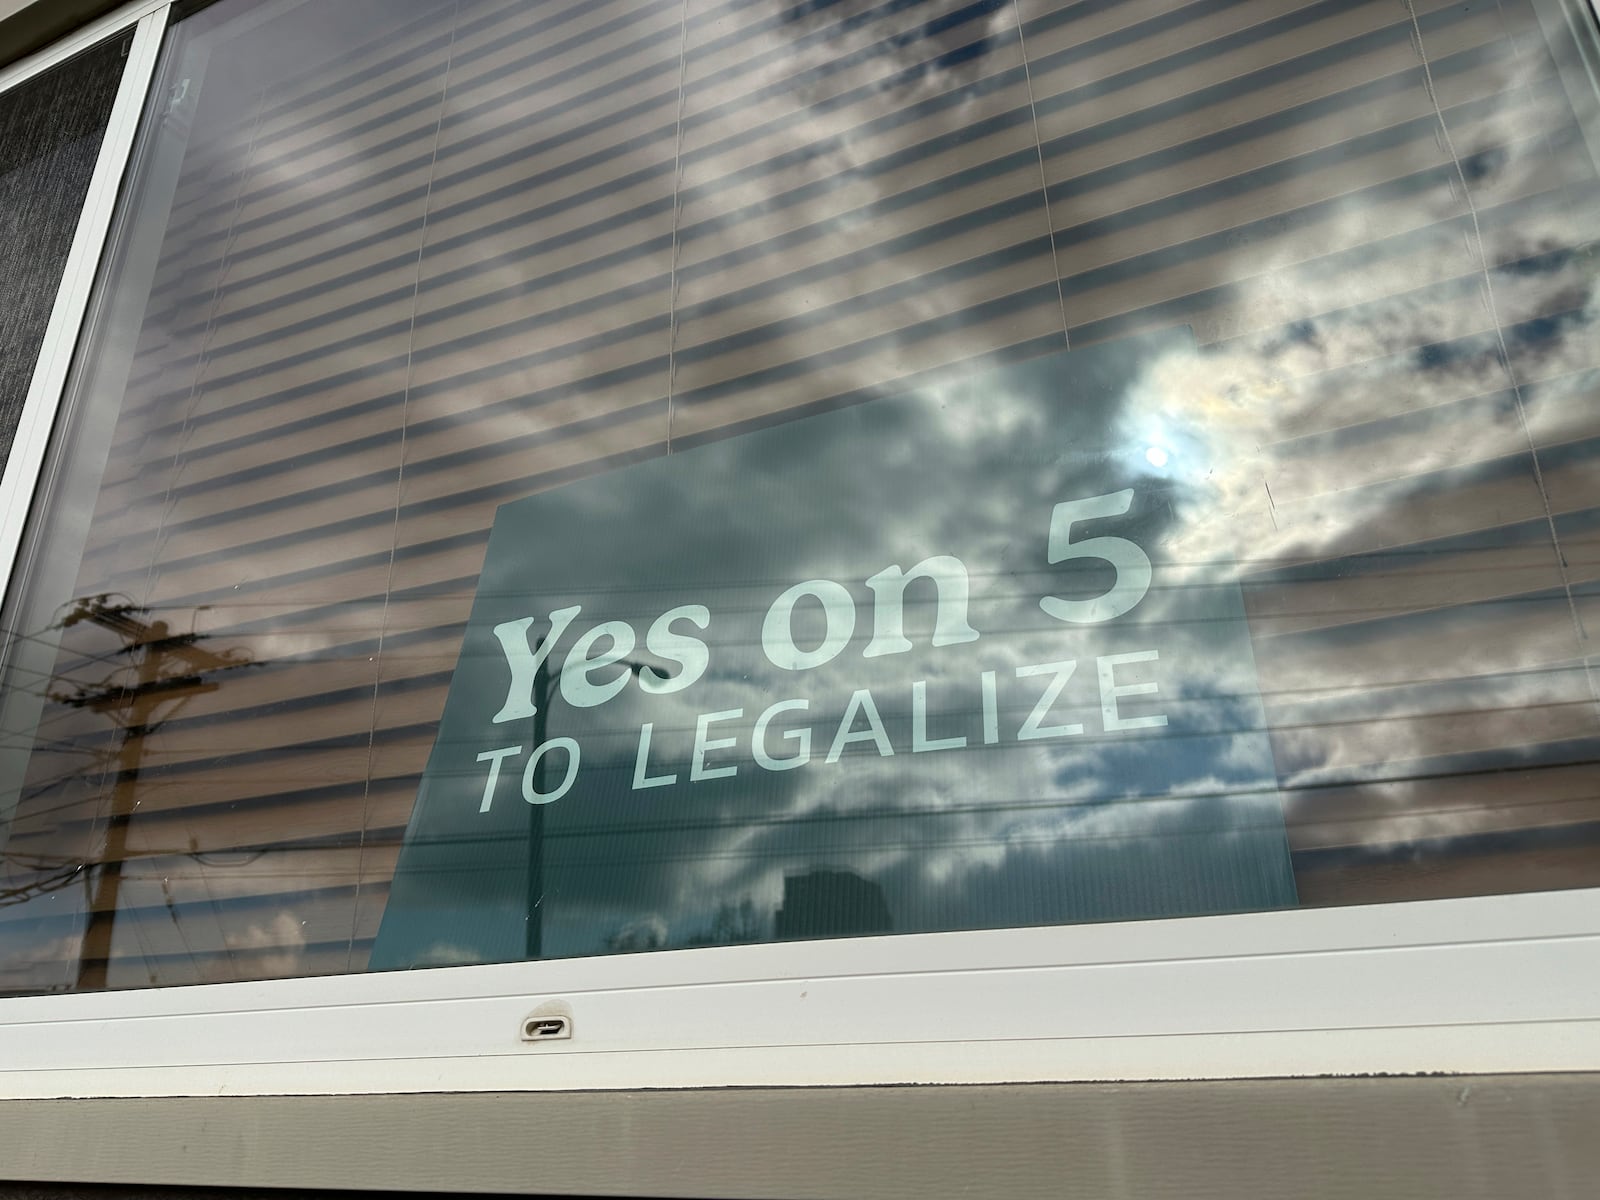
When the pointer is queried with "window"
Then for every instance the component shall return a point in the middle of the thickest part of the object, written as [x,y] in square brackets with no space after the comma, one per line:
[993,493]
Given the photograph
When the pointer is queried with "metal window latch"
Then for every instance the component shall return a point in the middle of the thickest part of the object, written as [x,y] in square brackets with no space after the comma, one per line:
[547,1028]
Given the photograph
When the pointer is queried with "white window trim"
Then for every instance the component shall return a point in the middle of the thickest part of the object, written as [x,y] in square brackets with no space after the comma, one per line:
[1480,985]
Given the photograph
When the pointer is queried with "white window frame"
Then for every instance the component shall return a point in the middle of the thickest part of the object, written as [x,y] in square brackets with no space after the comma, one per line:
[1480,985]
[1485,985]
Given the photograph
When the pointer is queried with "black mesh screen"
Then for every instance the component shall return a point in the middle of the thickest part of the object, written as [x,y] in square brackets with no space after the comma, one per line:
[50,132]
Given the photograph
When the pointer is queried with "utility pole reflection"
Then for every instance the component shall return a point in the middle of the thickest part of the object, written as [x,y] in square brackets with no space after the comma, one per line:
[169,669]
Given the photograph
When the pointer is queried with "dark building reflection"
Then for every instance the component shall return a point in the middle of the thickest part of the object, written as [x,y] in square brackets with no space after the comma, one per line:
[831,903]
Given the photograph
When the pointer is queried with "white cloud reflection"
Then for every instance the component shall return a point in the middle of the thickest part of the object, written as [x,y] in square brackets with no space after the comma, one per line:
[1341,439]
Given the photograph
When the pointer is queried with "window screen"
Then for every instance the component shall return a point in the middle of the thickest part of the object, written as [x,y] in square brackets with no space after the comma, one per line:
[50,131]
[539,466]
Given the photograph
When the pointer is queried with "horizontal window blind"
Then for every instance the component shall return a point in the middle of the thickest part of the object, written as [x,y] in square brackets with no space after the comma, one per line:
[498,247]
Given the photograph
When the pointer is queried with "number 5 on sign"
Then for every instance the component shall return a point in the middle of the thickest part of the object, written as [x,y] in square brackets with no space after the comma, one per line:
[1131,564]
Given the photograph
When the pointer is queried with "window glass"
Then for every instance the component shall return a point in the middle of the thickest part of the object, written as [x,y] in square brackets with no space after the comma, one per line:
[50,132]
[567,479]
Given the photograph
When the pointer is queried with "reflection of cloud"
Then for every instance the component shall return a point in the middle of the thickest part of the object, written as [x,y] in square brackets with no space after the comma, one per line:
[284,940]
[731,525]
[643,933]
[1406,386]
[31,963]
[1379,336]
[1351,389]
[447,954]
[1352,393]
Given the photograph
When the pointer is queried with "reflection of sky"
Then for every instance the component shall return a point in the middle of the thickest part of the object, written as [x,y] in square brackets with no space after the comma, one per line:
[1367,423]
[1102,824]
[1352,434]
[1414,447]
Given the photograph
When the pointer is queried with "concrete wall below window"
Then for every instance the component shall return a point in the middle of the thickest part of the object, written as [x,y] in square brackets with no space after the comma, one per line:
[1409,1138]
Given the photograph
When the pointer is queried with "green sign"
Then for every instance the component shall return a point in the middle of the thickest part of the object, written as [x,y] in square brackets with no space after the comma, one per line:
[938,660]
